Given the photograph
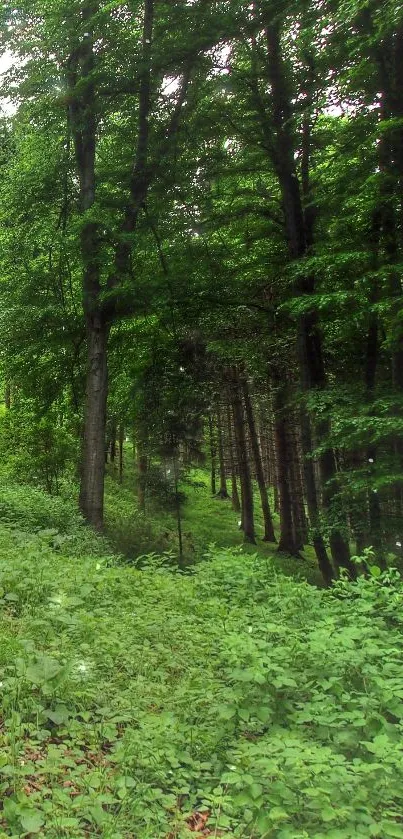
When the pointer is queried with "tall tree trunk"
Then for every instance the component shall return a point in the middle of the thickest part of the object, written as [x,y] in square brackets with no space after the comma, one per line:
[7,395]
[222,492]
[299,238]
[286,541]
[297,493]
[213,453]
[93,450]
[178,508]
[142,468]
[121,441]
[269,535]
[248,524]
[236,504]
[318,542]
[374,517]
[83,124]
[389,57]
[112,443]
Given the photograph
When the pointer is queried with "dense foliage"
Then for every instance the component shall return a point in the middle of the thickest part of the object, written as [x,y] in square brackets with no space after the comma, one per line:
[202,205]
[146,703]
[201,356]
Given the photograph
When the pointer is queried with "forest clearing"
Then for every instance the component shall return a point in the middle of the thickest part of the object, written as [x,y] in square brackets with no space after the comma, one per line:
[201,426]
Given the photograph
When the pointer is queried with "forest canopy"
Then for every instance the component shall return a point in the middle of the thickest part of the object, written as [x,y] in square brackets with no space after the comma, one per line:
[200,251]
[201,426]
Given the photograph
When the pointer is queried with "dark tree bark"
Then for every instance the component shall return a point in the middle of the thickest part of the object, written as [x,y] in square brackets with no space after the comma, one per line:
[93,457]
[112,443]
[281,149]
[269,535]
[7,396]
[287,540]
[178,509]
[389,58]
[99,311]
[213,453]
[83,125]
[324,563]
[222,492]
[236,504]
[142,468]
[248,524]
[374,517]
[121,441]
[297,493]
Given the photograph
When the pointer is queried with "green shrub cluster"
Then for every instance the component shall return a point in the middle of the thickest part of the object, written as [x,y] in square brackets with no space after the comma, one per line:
[37,448]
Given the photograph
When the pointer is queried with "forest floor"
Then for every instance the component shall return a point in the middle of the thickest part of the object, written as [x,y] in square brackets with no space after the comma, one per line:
[231,700]
[206,521]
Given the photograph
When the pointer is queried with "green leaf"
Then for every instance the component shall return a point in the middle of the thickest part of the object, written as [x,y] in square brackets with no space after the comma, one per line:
[59,715]
[328,814]
[255,791]
[278,814]
[31,820]
[392,829]
[226,712]
[44,670]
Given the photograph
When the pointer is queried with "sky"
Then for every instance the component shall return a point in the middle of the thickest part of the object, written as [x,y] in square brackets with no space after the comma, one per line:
[5,61]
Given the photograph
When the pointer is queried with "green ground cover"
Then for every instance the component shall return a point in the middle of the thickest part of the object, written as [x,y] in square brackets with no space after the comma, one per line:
[133,700]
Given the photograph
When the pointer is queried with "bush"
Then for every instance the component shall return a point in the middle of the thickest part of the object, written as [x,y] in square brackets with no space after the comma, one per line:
[36,450]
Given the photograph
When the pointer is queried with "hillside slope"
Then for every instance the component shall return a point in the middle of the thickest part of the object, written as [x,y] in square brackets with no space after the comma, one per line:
[230,701]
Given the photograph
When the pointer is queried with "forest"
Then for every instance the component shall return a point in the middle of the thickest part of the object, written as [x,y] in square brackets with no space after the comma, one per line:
[201,424]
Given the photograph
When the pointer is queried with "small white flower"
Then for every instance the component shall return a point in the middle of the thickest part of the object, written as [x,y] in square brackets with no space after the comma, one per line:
[374,490]
[239,523]
[148,41]
[370,460]
[398,544]
[82,667]
[1,684]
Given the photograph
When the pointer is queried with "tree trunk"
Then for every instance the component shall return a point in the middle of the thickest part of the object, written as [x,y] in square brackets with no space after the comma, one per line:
[112,442]
[374,518]
[142,468]
[178,509]
[93,451]
[297,494]
[236,504]
[269,535]
[83,124]
[121,441]
[248,524]
[212,456]
[324,563]
[299,239]
[223,492]
[286,541]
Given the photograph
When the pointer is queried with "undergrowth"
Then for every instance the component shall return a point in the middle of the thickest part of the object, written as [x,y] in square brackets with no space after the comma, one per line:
[230,699]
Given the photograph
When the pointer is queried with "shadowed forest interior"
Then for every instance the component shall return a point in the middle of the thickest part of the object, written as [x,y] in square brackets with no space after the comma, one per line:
[201,428]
